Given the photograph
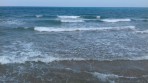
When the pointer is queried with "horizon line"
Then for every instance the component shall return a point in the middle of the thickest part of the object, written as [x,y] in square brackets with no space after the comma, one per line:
[81,6]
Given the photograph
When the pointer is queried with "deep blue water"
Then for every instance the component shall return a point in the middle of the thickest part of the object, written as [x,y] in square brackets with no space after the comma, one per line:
[53,44]
[28,16]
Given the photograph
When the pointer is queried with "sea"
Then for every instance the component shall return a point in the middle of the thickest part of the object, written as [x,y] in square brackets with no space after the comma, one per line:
[73,45]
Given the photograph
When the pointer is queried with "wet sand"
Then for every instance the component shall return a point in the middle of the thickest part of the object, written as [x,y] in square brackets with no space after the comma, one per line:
[91,71]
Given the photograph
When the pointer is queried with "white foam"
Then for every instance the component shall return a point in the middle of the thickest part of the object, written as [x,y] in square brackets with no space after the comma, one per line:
[105,77]
[68,17]
[39,16]
[109,77]
[42,29]
[33,56]
[116,20]
[50,29]
[72,20]
[13,22]
[98,17]
[143,32]
[23,52]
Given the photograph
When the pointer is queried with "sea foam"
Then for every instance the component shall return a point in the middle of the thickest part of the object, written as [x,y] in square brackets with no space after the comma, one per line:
[98,17]
[116,20]
[109,77]
[26,52]
[143,32]
[72,20]
[39,16]
[68,17]
[51,29]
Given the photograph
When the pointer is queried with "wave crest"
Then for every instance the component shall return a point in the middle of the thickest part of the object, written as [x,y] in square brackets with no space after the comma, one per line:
[39,16]
[50,29]
[68,17]
[116,20]
[68,20]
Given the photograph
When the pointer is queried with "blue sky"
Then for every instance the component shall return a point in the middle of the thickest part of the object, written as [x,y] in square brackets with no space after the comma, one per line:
[76,3]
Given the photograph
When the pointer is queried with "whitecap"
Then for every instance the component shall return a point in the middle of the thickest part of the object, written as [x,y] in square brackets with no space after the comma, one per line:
[72,20]
[39,16]
[98,17]
[68,17]
[52,29]
[116,20]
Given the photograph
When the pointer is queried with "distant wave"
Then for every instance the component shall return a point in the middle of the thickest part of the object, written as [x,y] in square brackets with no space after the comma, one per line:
[68,17]
[99,17]
[68,20]
[140,19]
[80,18]
[86,18]
[115,20]
[62,17]
[50,29]
[13,22]
[48,21]
[90,17]
[39,16]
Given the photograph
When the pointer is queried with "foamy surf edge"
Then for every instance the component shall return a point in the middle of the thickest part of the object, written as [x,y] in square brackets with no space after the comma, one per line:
[45,58]
[109,77]
[51,29]
[38,57]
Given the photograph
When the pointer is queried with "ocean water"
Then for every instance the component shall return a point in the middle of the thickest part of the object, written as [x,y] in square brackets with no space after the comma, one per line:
[73,45]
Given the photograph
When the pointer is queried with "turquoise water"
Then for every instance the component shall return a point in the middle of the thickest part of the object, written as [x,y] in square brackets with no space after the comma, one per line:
[73,45]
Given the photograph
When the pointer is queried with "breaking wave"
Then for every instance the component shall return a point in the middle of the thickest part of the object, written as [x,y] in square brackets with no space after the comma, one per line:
[116,20]
[50,29]
[77,18]
[90,17]
[68,17]
[69,20]
[39,16]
